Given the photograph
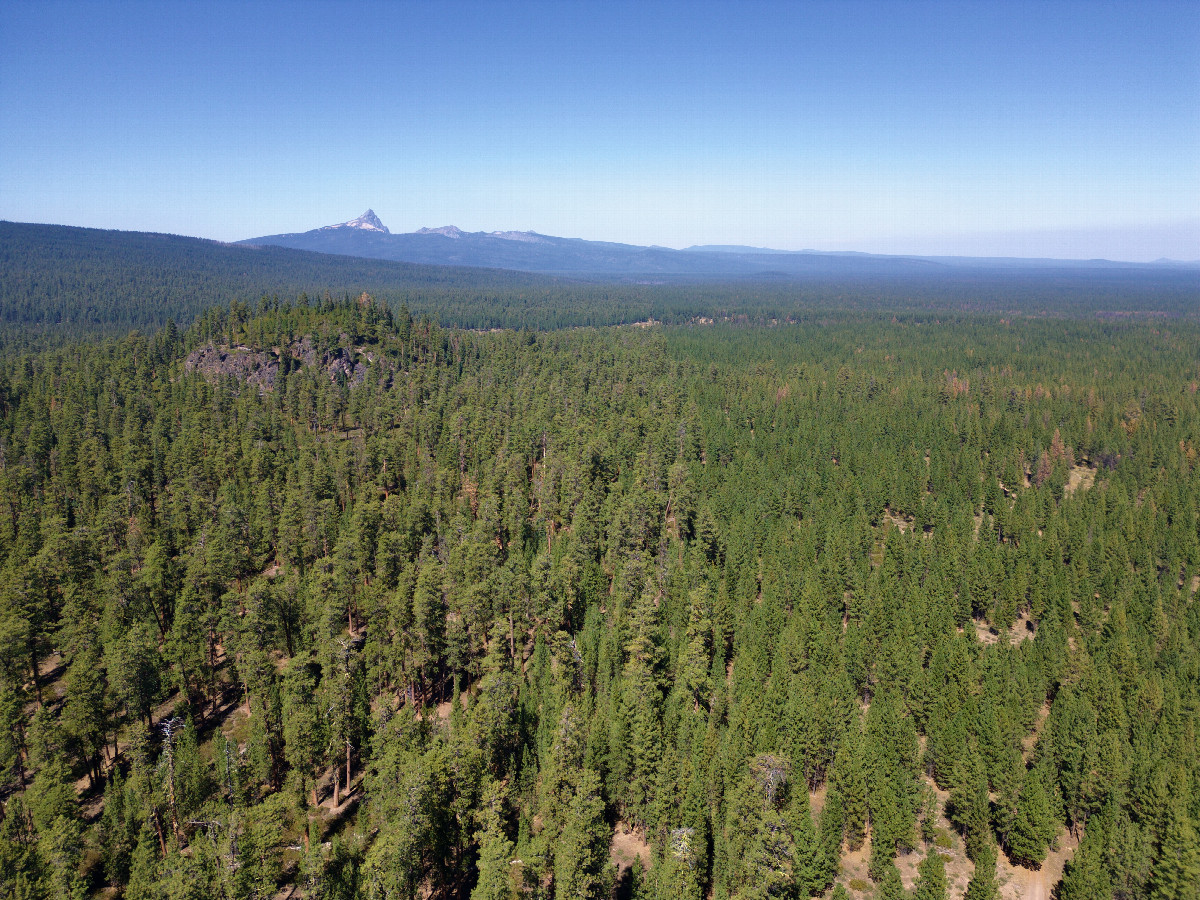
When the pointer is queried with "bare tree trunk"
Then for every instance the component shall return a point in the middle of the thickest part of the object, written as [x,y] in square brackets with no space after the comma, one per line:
[169,730]
[158,620]
[162,844]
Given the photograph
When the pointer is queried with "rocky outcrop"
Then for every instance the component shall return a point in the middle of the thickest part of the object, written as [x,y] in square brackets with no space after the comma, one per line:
[255,367]
[341,361]
[261,368]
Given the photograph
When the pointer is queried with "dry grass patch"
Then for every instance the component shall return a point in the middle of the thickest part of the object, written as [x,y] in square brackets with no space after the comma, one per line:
[1023,629]
[1079,478]
[1019,883]
[628,847]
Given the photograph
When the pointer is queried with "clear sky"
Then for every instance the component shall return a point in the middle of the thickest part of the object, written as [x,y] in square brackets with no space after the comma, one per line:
[999,128]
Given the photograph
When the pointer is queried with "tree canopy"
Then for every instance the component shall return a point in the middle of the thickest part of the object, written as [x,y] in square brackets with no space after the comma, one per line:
[325,594]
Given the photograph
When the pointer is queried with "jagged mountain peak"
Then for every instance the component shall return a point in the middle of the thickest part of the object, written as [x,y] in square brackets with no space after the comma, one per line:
[368,221]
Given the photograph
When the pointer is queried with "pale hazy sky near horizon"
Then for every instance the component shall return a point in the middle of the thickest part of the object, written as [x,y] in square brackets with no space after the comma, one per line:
[1025,129]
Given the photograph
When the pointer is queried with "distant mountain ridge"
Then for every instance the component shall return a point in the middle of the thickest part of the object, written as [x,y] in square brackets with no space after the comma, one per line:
[530,251]
[88,278]
[58,281]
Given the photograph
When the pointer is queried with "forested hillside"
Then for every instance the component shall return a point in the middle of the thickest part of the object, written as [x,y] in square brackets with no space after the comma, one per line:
[85,280]
[326,601]
[59,284]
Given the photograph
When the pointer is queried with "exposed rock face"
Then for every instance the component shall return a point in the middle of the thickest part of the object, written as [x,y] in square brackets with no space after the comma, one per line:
[340,361]
[254,367]
[260,368]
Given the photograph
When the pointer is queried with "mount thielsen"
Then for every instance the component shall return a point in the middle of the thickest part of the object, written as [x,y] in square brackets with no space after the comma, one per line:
[368,221]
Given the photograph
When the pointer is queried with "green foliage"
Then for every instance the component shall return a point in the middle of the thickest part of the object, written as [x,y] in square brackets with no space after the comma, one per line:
[982,885]
[1177,872]
[143,881]
[495,849]
[968,802]
[890,885]
[1034,828]
[447,609]
[582,847]
[931,878]
[809,866]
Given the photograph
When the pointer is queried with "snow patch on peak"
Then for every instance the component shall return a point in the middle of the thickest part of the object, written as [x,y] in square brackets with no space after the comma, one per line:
[528,237]
[447,230]
[368,221]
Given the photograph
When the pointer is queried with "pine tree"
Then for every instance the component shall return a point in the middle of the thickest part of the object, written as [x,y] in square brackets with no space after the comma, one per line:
[929,814]
[931,878]
[888,828]
[851,780]
[582,849]
[1177,870]
[1009,782]
[698,657]
[758,842]
[830,832]
[1086,875]
[982,885]
[808,864]
[495,850]
[643,705]
[303,729]
[61,847]
[1033,828]
[968,801]
[144,868]
[429,616]
[679,871]
[890,885]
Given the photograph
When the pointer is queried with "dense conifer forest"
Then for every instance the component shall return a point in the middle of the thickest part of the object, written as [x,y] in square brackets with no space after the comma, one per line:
[59,284]
[323,599]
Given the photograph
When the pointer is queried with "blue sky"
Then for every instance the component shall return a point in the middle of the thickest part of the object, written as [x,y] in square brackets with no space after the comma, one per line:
[1041,129]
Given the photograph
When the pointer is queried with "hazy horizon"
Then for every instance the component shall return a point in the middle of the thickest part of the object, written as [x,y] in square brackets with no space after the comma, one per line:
[1069,130]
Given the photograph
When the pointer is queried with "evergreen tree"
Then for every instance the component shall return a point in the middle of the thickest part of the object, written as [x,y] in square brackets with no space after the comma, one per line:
[931,878]
[1033,828]
[144,869]
[582,849]
[335,543]
[758,843]
[495,850]
[968,802]
[849,775]
[808,864]
[982,885]
[698,660]
[830,832]
[890,885]
[1177,871]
